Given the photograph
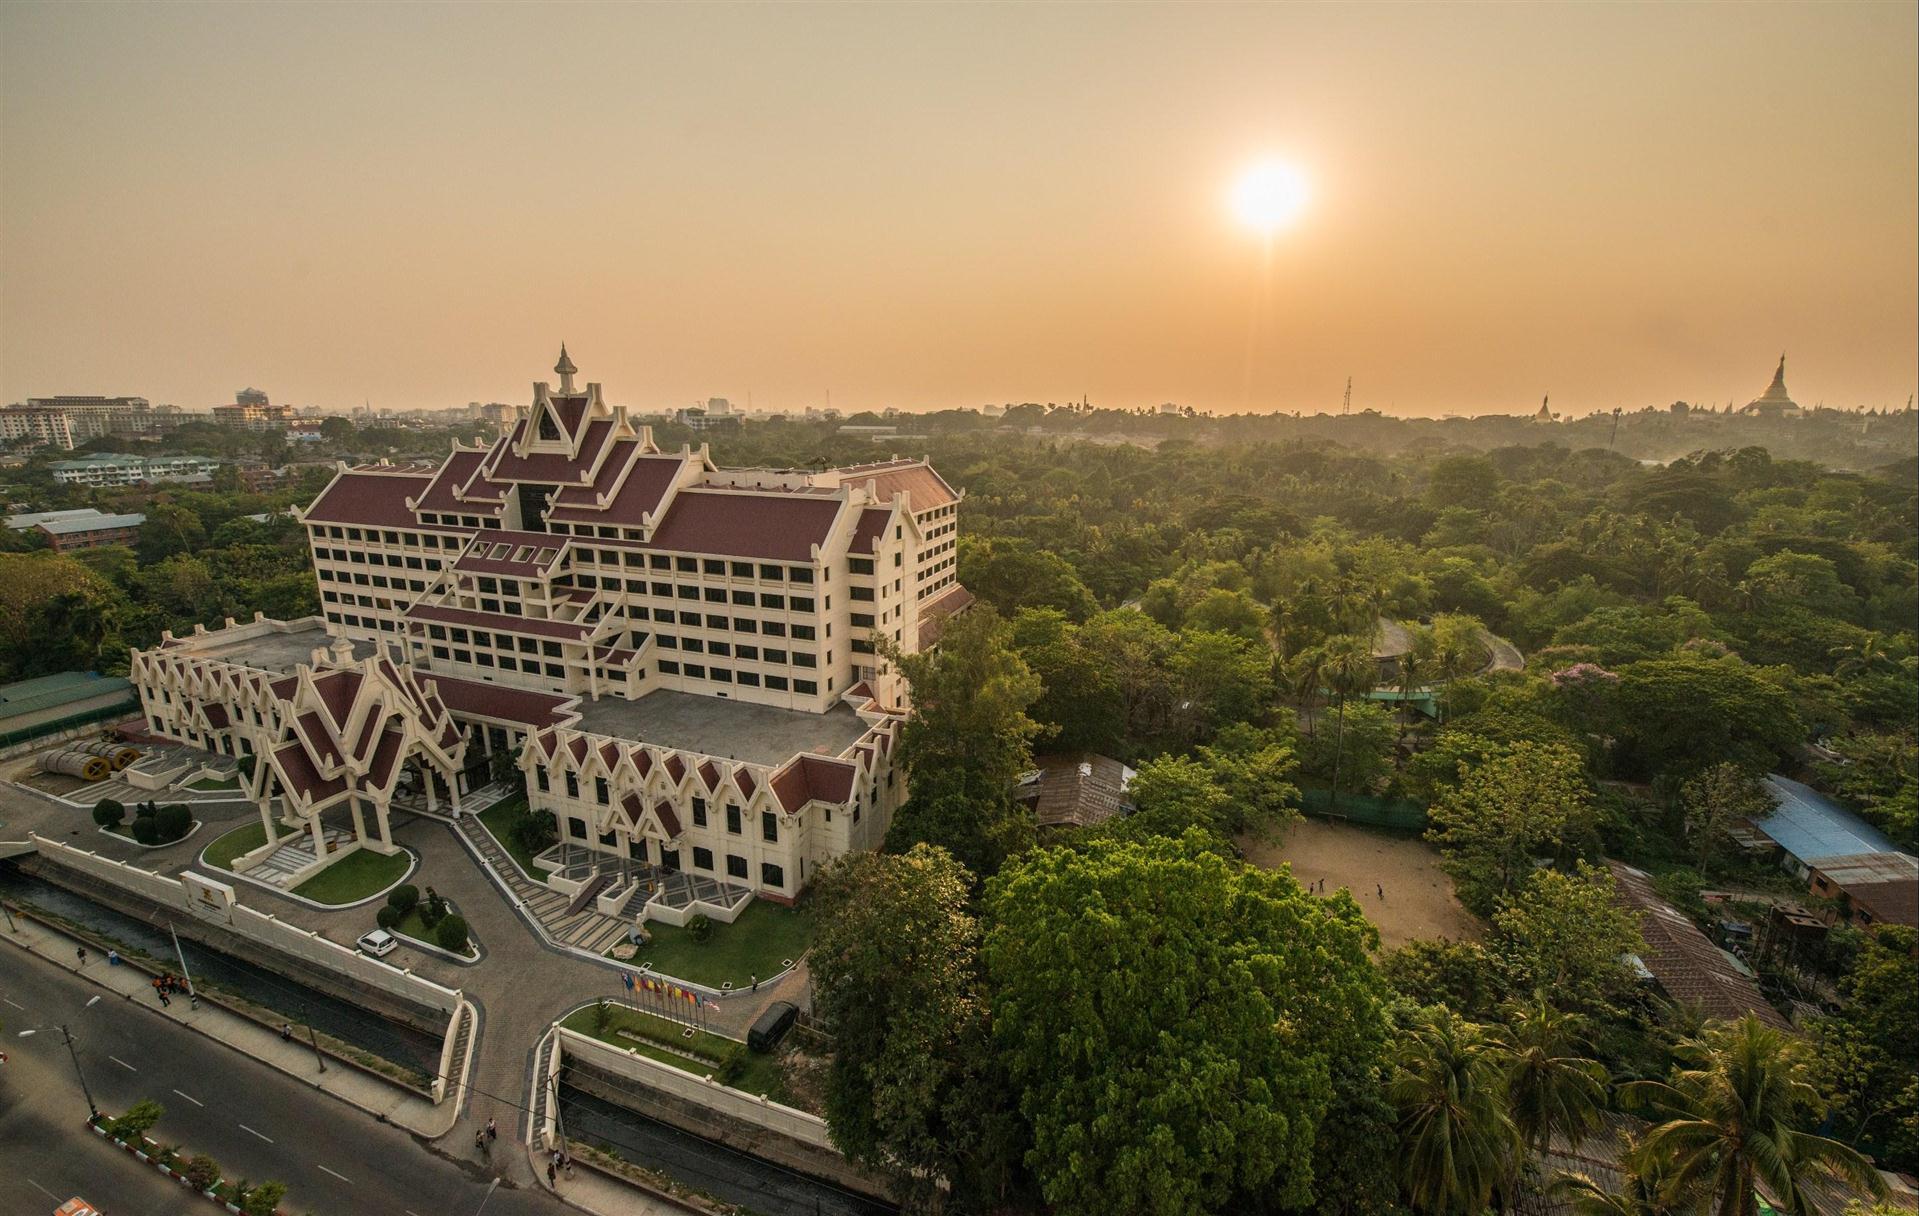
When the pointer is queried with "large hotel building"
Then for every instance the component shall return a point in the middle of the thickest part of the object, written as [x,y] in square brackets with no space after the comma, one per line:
[689,658]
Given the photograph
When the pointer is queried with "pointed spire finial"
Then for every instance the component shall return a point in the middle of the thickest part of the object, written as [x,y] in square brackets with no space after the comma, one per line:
[565,369]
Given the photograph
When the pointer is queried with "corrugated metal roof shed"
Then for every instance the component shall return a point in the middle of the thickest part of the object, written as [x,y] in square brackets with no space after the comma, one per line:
[1811,826]
[47,692]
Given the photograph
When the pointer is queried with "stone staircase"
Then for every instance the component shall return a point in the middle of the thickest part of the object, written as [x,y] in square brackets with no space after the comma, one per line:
[583,928]
[462,1043]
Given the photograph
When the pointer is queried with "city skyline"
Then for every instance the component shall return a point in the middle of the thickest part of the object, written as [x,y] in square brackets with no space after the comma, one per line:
[950,207]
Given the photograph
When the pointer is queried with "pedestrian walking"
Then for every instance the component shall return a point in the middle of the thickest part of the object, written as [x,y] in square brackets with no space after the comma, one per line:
[756,983]
[81,954]
[552,1174]
[160,991]
[492,1130]
[113,958]
[286,1032]
[479,1143]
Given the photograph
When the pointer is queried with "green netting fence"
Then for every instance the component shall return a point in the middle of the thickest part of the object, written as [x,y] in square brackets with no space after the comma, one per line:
[1396,814]
[105,713]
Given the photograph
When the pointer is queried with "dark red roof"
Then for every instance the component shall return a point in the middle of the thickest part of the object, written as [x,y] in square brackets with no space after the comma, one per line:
[808,778]
[368,499]
[868,531]
[924,488]
[303,778]
[645,485]
[669,819]
[554,468]
[476,698]
[737,524]
[454,474]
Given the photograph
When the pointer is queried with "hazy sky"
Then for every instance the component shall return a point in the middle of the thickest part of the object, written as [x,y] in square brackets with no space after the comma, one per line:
[932,206]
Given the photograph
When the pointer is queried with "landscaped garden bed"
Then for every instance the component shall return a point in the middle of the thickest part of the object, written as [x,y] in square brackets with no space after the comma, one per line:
[760,943]
[152,826]
[429,923]
[359,876]
[508,822]
[243,839]
[199,1173]
[668,1042]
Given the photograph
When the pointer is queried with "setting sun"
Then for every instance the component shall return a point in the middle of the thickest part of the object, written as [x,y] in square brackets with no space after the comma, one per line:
[1269,196]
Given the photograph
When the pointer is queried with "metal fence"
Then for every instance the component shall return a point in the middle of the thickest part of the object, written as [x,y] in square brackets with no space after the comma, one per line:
[1393,814]
[41,729]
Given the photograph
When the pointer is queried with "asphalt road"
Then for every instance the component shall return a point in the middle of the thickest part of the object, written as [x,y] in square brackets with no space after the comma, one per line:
[259,1124]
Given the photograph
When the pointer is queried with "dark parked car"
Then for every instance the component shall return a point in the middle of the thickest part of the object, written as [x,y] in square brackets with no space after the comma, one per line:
[772,1026]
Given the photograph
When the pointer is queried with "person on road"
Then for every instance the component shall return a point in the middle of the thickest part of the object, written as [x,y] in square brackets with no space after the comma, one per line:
[113,958]
[479,1142]
[286,1032]
[81,953]
[552,1174]
[492,1131]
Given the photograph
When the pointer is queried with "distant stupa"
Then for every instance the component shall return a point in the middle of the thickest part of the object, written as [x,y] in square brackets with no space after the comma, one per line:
[1775,402]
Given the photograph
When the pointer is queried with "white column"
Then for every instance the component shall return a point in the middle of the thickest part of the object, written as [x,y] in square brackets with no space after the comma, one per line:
[384,828]
[359,820]
[432,803]
[319,836]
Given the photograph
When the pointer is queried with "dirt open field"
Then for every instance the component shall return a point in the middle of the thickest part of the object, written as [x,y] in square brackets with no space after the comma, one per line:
[1419,897]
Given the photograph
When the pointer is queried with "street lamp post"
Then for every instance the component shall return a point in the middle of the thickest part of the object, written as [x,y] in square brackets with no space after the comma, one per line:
[67,1036]
[312,1037]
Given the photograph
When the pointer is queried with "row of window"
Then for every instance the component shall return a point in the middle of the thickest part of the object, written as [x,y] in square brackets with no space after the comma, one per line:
[771,874]
[746,679]
[728,650]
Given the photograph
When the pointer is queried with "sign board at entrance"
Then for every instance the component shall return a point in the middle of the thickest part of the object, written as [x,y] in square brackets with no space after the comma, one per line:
[207,898]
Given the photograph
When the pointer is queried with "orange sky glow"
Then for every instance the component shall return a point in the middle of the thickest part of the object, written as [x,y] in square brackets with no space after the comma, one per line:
[930,206]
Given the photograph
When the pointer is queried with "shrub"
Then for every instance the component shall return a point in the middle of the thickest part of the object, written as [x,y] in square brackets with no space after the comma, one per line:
[451,933]
[174,821]
[403,897]
[699,928]
[536,831]
[389,917]
[108,813]
[602,1014]
[432,908]
[203,1172]
[732,1066]
[146,830]
[264,1200]
[137,1121]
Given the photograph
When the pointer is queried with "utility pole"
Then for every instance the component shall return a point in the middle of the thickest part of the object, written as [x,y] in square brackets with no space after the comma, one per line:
[305,1016]
[1347,406]
[91,1108]
[1616,411]
[192,996]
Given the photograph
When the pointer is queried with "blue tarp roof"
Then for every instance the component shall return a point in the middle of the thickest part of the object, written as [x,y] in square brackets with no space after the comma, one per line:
[1811,826]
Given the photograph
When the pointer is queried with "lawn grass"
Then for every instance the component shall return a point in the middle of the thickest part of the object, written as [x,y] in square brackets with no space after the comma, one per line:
[760,1075]
[412,926]
[358,875]
[243,839]
[757,943]
[500,819]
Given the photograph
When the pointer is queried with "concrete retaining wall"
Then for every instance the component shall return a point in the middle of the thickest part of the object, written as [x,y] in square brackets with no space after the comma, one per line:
[706,1108]
[299,952]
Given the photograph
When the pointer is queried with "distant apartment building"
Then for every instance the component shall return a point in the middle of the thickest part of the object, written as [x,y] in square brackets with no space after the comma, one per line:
[252,410]
[68,422]
[120,469]
[80,528]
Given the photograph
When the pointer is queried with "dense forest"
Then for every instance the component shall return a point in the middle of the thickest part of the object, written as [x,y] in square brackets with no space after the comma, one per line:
[1593,658]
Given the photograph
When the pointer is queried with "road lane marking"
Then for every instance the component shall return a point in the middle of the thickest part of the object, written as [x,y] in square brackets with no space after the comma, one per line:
[337,1174]
[251,1132]
[18,1005]
[37,1186]
[189,1097]
[93,1002]
[123,1063]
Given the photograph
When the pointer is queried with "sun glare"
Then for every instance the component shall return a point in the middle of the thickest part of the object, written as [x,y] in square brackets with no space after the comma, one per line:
[1269,196]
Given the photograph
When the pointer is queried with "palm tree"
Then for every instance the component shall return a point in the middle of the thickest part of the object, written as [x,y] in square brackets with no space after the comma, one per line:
[1451,657]
[1552,1089]
[1642,1190]
[1731,1116]
[1455,1137]
[1308,672]
[1407,676]
[1350,669]
[1866,655]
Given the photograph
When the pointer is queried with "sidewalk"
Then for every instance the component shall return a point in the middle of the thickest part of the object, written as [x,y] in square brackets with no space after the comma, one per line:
[591,1191]
[383,1100]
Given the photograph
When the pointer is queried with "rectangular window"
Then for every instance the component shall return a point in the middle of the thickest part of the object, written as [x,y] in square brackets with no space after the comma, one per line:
[544,781]
[776,683]
[801,603]
[699,812]
[860,565]
[572,785]
[600,791]
[745,624]
[772,875]
[695,671]
[772,572]
[686,565]
[769,826]
[749,679]
[702,858]
[669,668]
[735,866]
[733,819]
[770,600]
[801,574]
[744,598]
[805,633]
[805,688]
[862,595]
